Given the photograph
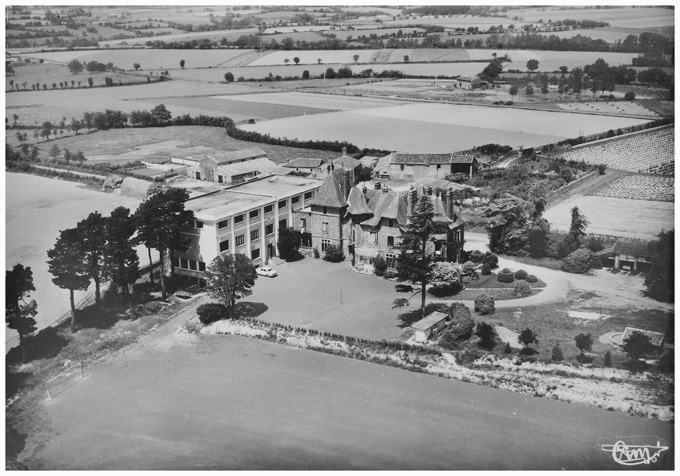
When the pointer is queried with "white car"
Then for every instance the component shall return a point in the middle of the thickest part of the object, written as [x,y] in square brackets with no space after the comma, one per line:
[266,271]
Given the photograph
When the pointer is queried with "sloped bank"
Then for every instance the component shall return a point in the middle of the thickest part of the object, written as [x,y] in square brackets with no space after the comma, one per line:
[606,388]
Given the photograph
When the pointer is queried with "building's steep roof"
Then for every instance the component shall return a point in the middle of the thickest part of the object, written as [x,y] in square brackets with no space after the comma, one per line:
[230,156]
[439,210]
[346,162]
[633,247]
[390,205]
[357,203]
[435,183]
[262,165]
[303,163]
[330,193]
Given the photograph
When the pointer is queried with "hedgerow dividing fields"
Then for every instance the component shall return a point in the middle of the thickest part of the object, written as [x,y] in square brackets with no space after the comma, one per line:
[552,60]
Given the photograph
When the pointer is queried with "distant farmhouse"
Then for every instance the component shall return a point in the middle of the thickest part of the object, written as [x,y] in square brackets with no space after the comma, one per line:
[401,166]
[367,223]
[230,168]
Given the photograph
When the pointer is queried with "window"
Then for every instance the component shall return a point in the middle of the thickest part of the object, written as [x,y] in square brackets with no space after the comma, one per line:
[390,241]
[224,245]
[201,266]
[199,224]
[303,223]
[269,208]
[269,229]
[391,260]
[282,224]
[282,204]
[240,239]
[238,219]
[192,264]
[325,210]
[220,179]
[373,238]
[439,166]
[254,213]
[184,263]
[324,245]
[308,195]
[175,262]
[223,224]
[254,235]
[295,200]
[198,175]
[255,254]
[324,227]
[401,167]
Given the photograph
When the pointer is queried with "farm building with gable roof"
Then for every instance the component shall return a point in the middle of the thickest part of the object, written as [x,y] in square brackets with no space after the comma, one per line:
[398,165]
[231,168]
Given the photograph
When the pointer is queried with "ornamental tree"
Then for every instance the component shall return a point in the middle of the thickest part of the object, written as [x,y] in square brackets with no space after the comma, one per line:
[68,266]
[121,258]
[92,232]
[19,310]
[230,277]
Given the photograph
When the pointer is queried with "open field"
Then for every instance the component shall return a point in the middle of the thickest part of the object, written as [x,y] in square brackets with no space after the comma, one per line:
[615,216]
[641,187]
[37,209]
[440,127]
[344,34]
[552,60]
[311,100]
[617,17]
[49,74]
[35,108]
[609,34]
[455,21]
[147,58]
[286,408]
[158,144]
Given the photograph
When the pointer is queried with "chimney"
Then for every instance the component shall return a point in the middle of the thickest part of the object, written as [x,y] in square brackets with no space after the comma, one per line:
[364,189]
[411,201]
[346,182]
[377,184]
[428,190]
[344,151]
[449,205]
[385,188]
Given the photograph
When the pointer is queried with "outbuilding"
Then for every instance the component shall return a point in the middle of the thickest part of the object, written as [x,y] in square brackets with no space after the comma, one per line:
[430,326]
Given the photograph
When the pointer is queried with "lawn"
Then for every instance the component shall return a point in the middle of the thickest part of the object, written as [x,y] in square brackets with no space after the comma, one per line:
[489,285]
[310,101]
[615,216]
[429,127]
[158,144]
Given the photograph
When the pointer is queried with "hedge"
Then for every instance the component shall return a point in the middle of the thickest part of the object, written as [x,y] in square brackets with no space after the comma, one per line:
[521,275]
[506,276]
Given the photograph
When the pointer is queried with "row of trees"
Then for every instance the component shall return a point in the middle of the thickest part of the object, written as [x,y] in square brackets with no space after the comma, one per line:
[101,248]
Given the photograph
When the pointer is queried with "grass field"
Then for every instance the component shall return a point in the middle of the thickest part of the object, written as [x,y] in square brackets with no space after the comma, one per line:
[220,402]
[147,58]
[37,208]
[615,216]
[160,143]
[616,17]
[312,101]
[440,127]
[55,73]
[552,60]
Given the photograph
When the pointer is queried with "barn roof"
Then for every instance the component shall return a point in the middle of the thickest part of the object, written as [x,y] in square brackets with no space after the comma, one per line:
[430,159]
[633,247]
[262,165]
[230,156]
[346,162]
[303,163]
[429,320]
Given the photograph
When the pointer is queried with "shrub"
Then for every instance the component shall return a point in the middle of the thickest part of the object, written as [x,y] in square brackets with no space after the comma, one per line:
[506,276]
[476,256]
[531,279]
[601,168]
[484,305]
[521,274]
[491,259]
[390,274]
[522,289]
[486,269]
[379,266]
[468,266]
[557,354]
[487,334]
[527,351]
[153,307]
[508,348]
[666,361]
[316,252]
[211,312]
[608,359]
[629,96]
[584,359]
[578,262]
[460,325]
[334,254]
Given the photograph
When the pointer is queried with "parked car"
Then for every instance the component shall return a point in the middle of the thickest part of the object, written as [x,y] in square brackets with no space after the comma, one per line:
[266,271]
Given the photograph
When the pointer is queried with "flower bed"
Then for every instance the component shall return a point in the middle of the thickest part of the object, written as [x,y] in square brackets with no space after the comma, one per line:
[606,388]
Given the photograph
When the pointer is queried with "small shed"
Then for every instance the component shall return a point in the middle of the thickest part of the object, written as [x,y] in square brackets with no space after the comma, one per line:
[632,254]
[431,325]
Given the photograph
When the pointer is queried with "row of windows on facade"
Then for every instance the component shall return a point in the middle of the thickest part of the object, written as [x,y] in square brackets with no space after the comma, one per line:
[254,235]
[192,265]
[256,213]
